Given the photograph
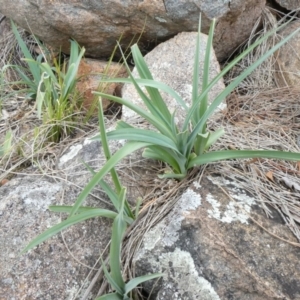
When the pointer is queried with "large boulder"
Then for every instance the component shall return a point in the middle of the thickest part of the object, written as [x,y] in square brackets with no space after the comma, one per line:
[289,4]
[58,268]
[97,25]
[211,247]
[287,60]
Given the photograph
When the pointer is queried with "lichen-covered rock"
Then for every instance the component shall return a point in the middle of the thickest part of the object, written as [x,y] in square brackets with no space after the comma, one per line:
[56,269]
[209,248]
[287,58]
[97,25]
[172,63]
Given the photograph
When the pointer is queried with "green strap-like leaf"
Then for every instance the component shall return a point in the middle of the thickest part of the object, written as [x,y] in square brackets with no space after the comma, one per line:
[141,112]
[68,209]
[133,283]
[233,85]
[145,73]
[152,83]
[118,230]
[112,162]
[111,280]
[238,154]
[201,143]
[34,68]
[196,66]
[227,68]
[206,70]
[142,135]
[67,223]
[213,137]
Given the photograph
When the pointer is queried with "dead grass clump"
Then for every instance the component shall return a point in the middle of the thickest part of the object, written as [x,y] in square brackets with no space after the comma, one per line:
[262,78]
[266,120]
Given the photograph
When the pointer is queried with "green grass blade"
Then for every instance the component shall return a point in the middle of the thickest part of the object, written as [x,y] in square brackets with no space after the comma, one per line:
[238,154]
[112,195]
[234,84]
[68,208]
[133,283]
[152,83]
[67,223]
[6,146]
[118,230]
[111,280]
[70,77]
[46,68]
[121,124]
[227,68]
[206,71]
[213,137]
[201,143]
[145,73]
[103,134]
[73,52]
[107,154]
[196,65]
[151,105]
[111,163]
[33,67]
[141,112]
[142,135]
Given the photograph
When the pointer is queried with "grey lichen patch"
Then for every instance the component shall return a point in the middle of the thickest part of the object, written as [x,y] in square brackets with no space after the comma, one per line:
[161,20]
[38,196]
[166,232]
[181,279]
[236,210]
[71,154]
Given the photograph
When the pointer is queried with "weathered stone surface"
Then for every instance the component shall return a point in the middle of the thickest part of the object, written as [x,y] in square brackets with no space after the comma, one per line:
[90,72]
[209,248]
[289,4]
[172,63]
[57,268]
[287,58]
[98,24]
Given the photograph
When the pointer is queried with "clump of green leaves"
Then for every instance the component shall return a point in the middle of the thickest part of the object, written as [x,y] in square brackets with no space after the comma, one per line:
[185,147]
[52,85]
[57,98]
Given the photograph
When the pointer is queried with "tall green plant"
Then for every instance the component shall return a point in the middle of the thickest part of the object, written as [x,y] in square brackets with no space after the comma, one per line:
[56,94]
[186,147]
[52,85]
[31,76]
